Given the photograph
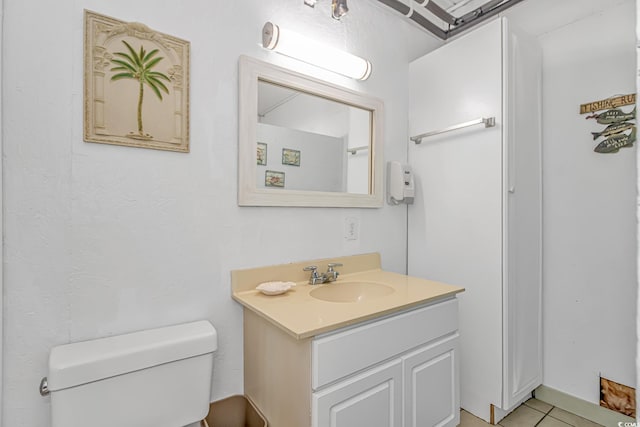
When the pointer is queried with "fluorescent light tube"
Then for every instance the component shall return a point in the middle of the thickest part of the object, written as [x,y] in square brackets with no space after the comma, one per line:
[296,46]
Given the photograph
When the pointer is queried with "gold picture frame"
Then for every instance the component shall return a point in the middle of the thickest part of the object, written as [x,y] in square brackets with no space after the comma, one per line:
[120,106]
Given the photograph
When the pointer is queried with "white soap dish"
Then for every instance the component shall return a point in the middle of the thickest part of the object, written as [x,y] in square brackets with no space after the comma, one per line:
[275,288]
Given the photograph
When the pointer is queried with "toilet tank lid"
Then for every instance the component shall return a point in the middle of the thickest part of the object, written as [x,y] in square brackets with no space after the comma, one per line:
[80,363]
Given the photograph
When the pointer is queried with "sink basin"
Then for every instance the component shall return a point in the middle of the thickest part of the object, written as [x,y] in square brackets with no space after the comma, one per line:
[351,291]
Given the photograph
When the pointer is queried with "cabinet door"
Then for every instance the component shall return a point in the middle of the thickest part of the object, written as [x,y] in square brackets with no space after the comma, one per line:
[522,292]
[431,391]
[372,399]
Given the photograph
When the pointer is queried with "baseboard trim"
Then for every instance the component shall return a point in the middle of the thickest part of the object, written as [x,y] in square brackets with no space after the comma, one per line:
[588,410]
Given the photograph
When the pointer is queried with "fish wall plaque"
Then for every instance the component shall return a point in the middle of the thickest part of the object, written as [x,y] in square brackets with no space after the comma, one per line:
[612,102]
[616,142]
[615,115]
[620,131]
[613,129]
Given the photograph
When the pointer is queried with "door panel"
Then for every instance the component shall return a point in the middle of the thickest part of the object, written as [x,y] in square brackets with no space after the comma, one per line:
[431,385]
[372,399]
[523,261]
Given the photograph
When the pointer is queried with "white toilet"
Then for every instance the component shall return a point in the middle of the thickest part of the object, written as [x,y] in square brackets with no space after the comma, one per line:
[154,378]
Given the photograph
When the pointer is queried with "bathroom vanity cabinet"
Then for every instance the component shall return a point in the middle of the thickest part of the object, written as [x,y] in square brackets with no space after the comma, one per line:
[375,359]
[398,370]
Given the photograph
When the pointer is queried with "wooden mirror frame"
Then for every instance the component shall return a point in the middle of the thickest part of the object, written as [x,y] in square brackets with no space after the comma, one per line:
[250,72]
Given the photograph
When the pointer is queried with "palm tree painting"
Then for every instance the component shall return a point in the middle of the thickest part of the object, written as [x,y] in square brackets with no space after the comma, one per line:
[136,85]
[139,65]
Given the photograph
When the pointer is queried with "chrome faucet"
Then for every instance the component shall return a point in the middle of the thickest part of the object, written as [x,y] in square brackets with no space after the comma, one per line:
[330,276]
[315,277]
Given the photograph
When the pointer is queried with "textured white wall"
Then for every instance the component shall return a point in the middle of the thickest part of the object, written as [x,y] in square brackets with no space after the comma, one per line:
[590,287]
[104,240]
[638,211]
[1,230]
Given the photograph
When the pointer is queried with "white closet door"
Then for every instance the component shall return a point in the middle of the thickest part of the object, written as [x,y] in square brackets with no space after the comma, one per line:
[455,225]
[477,212]
[523,261]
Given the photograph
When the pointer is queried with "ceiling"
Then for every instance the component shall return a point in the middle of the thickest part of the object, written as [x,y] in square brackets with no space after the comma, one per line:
[460,7]
[447,18]
[536,17]
[451,5]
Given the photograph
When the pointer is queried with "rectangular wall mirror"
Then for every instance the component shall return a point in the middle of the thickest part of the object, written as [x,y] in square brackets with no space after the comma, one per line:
[305,142]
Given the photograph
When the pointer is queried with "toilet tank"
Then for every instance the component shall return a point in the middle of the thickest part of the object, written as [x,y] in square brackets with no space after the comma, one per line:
[153,378]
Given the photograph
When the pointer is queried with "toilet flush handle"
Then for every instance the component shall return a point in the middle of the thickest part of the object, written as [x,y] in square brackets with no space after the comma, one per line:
[44,387]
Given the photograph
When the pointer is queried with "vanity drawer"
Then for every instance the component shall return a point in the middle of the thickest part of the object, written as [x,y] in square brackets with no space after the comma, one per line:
[343,353]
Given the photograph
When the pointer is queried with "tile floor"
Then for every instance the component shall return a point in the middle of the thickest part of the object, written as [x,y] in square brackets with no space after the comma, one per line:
[532,413]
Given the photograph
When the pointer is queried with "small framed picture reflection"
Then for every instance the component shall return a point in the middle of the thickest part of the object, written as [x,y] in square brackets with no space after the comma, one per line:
[274,179]
[262,154]
[290,157]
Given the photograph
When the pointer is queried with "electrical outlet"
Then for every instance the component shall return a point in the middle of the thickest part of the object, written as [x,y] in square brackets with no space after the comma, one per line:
[351,228]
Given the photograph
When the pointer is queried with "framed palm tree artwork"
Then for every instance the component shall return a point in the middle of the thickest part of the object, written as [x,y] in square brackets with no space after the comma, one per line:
[136,85]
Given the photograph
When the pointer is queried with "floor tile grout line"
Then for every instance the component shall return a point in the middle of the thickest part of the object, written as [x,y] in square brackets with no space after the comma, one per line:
[541,419]
[562,421]
[544,414]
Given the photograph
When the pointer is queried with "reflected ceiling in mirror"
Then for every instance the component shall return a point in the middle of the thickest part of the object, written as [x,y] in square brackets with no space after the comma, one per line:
[305,142]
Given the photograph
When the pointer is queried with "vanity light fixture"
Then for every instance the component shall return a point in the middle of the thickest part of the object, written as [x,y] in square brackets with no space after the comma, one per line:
[296,46]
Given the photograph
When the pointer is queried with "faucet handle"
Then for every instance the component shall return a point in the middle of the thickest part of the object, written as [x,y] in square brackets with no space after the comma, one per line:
[313,269]
[315,277]
[333,264]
